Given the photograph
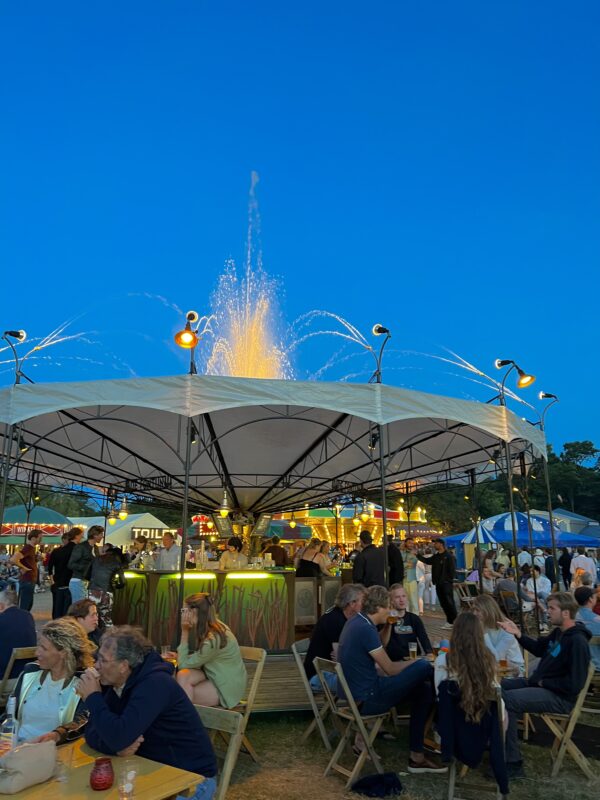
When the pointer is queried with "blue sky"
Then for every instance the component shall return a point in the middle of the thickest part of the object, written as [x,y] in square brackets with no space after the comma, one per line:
[431,166]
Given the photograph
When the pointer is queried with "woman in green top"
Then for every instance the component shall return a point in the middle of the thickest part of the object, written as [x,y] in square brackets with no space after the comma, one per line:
[214,673]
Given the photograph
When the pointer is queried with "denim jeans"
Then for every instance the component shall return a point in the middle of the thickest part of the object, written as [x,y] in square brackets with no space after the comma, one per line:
[331,679]
[78,589]
[26,589]
[520,698]
[415,684]
[204,791]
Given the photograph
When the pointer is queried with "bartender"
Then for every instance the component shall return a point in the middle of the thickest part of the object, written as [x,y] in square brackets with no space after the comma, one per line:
[233,558]
[169,555]
[408,628]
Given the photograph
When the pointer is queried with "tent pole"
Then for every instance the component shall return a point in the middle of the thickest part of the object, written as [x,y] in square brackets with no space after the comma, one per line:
[513,522]
[386,566]
[525,495]
[6,454]
[184,517]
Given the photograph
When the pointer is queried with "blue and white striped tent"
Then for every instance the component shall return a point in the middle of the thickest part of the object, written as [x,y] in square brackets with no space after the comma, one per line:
[485,537]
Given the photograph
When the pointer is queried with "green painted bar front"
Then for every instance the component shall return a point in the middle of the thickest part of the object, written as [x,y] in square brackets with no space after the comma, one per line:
[257,606]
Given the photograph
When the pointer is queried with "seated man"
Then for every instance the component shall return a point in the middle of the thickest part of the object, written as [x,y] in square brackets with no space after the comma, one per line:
[361,652]
[557,679]
[509,584]
[17,629]
[586,598]
[328,629]
[538,584]
[408,628]
[141,709]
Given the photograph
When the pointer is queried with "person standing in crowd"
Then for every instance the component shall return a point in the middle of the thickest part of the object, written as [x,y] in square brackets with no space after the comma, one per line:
[139,709]
[582,562]
[524,557]
[106,577]
[17,629]
[278,554]
[328,629]
[557,679]
[138,550]
[60,574]
[549,567]
[407,628]
[80,562]
[395,562]
[368,566]
[26,560]
[429,595]
[539,560]
[410,582]
[169,555]
[443,570]
[564,564]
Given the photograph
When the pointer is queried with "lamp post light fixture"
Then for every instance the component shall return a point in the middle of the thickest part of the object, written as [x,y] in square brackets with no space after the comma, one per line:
[188,338]
[524,379]
[20,336]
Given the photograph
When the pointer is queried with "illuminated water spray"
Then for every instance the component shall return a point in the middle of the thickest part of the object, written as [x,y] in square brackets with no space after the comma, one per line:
[245,316]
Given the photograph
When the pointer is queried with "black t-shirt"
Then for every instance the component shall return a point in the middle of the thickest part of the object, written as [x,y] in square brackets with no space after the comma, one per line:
[408,629]
[58,565]
[326,632]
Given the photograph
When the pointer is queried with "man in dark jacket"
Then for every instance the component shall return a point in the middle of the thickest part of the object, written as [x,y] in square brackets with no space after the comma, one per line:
[443,570]
[60,574]
[395,563]
[368,568]
[17,629]
[558,678]
[80,562]
[141,709]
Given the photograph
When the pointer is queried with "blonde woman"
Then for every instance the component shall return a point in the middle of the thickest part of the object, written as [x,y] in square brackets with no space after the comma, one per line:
[214,673]
[47,707]
[502,645]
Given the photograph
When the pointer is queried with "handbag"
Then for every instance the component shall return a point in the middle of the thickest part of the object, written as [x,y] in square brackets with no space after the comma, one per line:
[27,765]
[384,785]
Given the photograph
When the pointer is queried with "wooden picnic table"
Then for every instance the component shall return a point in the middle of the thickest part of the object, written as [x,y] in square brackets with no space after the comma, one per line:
[154,781]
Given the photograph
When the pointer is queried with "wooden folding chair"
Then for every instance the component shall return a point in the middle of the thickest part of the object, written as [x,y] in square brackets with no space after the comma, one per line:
[527,722]
[299,649]
[257,656]
[562,726]
[18,654]
[591,704]
[227,722]
[464,594]
[455,781]
[367,726]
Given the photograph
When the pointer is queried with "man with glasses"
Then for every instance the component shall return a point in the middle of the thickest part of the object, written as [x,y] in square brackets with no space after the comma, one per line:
[140,708]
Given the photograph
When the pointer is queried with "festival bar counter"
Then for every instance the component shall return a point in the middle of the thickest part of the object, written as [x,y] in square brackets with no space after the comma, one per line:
[259,607]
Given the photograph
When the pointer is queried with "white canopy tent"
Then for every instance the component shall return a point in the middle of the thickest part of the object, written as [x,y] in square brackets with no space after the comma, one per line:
[124,531]
[274,445]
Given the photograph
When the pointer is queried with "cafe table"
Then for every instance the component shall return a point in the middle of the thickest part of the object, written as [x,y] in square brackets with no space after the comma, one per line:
[153,781]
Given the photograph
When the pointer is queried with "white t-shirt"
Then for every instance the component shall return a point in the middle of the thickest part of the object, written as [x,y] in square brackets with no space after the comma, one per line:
[543,585]
[524,558]
[41,710]
[585,563]
[169,559]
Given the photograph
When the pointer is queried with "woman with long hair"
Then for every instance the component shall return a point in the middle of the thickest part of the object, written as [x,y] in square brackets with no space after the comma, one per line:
[312,564]
[502,645]
[470,663]
[213,674]
[47,707]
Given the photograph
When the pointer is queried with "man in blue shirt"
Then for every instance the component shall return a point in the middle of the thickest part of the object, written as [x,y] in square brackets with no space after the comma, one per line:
[586,600]
[361,652]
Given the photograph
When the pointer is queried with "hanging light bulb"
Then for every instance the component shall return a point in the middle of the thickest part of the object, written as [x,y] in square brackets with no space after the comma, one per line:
[355,518]
[224,510]
[111,517]
[364,514]
[210,524]
[293,522]
[123,511]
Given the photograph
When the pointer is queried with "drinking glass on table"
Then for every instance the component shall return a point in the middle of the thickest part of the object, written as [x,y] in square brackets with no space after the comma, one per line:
[126,780]
[412,651]
[435,648]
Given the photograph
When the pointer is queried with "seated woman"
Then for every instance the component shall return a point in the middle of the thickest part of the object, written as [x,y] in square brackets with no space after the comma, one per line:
[214,673]
[470,663]
[48,708]
[233,558]
[502,645]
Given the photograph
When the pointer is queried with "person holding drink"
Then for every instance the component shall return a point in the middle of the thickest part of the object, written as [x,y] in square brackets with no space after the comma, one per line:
[502,645]
[213,674]
[404,632]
